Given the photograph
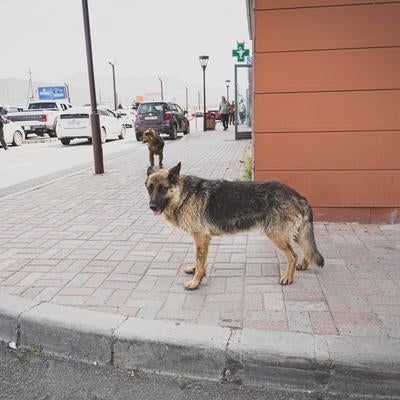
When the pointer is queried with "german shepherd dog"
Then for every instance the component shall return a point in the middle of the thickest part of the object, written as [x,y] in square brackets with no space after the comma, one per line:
[206,208]
[155,143]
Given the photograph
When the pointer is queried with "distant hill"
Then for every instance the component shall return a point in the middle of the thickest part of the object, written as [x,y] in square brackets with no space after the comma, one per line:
[14,91]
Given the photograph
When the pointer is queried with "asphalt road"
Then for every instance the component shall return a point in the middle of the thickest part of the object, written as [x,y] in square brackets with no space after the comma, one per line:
[31,161]
[36,163]
[27,375]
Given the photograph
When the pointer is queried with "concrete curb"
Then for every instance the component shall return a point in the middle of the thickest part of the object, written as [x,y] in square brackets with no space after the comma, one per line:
[40,140]
[357,365]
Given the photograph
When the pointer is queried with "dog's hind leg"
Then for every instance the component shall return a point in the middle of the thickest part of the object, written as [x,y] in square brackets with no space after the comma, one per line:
[202,242]
[160,158]
[283,244]
[303,264]
[306,241]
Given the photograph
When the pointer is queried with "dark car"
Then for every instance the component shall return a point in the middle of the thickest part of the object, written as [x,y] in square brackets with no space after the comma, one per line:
[164,117]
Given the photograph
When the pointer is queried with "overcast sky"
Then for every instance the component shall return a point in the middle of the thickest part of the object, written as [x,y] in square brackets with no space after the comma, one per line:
[143,37]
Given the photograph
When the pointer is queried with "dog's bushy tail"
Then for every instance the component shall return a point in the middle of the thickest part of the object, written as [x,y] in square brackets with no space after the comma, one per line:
[307,242]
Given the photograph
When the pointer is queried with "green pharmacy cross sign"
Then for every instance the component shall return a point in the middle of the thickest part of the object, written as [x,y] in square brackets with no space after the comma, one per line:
[240,52]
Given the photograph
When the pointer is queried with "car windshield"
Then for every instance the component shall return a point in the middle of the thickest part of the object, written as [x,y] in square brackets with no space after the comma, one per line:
[42,106]
[155,108]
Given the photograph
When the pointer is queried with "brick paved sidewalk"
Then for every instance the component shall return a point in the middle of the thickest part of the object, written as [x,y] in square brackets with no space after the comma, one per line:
[91,242]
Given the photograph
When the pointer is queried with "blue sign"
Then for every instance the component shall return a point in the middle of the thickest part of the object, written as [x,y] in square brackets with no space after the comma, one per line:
[52,93]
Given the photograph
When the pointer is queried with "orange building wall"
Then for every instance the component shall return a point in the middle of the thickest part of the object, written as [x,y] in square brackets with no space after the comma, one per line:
[327,104]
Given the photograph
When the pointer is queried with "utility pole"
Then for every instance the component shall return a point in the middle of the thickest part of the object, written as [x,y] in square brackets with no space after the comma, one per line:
[100,101]
[30,96]
[227,82]
[69,97]
[114,89]
[162,89]
[203,62]
[94,117]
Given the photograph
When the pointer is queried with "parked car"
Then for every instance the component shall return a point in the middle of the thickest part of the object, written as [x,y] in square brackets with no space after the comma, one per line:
[75,124]
[216,114]
[41,117]
[163,117]
[127,117]
[13,133]
[199,114]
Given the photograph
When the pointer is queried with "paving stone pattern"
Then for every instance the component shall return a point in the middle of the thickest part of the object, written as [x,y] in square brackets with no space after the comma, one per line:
[91,242]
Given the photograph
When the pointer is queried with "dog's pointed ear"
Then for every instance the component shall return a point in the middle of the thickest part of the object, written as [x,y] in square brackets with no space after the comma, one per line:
[150,171]
[173,173]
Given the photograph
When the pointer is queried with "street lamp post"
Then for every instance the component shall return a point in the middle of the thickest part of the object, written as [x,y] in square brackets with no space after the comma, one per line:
[203,62]
[69,97]
[162,89]
[94,117]
[186,92]
[227,82]
[114,88]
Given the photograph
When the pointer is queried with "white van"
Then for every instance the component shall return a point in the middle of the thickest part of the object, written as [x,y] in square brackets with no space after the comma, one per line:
[75,124]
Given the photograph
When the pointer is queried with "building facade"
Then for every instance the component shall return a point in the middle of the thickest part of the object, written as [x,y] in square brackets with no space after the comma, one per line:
[327,103]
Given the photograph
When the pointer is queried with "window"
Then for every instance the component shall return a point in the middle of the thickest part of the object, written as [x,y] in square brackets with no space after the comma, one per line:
[179,109]
[13,109]
[111,114]
[42,106]
[155,108]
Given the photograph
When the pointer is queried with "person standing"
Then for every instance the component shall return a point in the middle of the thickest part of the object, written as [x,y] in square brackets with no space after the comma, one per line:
[2,141]
[242,111]
[224,111]
[232,111]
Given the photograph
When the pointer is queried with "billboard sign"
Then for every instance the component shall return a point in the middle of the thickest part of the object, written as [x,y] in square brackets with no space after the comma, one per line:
[52,93]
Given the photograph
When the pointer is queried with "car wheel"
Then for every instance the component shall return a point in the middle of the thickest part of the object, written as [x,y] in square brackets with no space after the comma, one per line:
[187,129]
[123,132]
[18,138]
[174,134]
[103,135]
[139,136]
[65,141]
[53,133]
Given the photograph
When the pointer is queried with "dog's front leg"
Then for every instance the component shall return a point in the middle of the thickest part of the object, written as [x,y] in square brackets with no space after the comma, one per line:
[151,154]
[202,242]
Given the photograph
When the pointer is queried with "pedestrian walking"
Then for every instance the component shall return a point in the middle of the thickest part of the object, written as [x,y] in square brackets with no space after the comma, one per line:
[224,111]
[2,141]
[232,112]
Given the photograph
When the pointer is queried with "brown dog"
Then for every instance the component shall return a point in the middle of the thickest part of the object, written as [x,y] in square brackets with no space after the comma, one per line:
[155,143]
[206,208]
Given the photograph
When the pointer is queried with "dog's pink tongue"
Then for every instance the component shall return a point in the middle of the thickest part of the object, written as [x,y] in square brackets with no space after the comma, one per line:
[157,212]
